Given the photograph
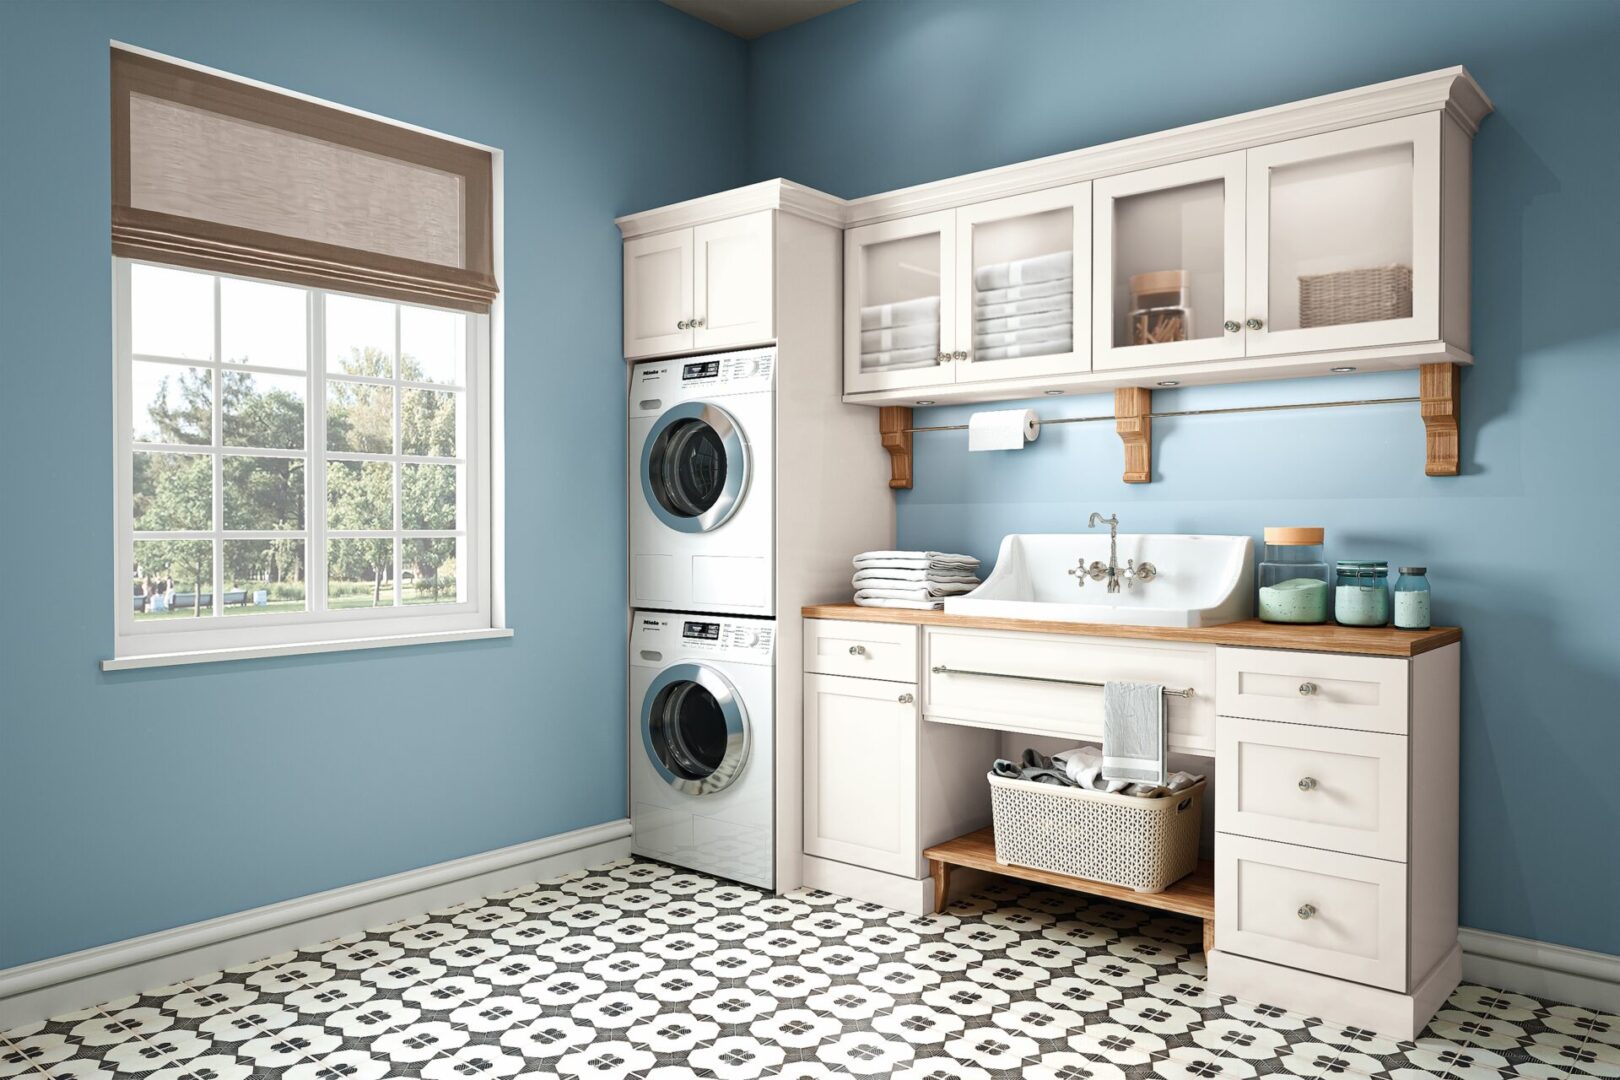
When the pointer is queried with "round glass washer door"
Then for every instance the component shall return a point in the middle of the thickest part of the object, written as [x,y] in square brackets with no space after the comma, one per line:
[694,729]
[694,467]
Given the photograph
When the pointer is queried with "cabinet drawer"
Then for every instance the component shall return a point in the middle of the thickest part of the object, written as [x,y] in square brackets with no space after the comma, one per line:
[1359,692]
[1321,787]
[1356,908]
[864,650]
[972,689]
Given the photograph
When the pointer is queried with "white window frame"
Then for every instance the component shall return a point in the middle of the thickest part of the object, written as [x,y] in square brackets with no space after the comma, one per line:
[169,641]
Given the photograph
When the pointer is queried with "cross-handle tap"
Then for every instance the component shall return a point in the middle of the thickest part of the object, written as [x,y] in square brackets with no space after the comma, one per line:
[1112,572]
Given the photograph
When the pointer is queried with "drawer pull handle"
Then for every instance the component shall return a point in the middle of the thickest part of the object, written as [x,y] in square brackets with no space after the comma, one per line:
[1306,910]
[1306,689]
[905,699]
[857,650]
[941,669]
[1307,783]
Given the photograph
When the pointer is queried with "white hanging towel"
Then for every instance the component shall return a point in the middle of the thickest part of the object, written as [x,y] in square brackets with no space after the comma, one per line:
[1002,429]
[1025,271]
[1134,733]
[906,313]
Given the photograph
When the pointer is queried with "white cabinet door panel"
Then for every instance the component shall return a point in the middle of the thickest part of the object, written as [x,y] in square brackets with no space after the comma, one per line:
[900,303]
[733,282]
[860,772]
[658,294]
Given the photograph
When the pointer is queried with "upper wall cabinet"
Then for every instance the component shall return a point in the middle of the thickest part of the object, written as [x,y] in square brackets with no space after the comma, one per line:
[701,288]
[993,290]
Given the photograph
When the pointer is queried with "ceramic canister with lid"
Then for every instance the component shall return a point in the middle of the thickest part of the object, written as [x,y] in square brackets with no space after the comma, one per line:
[1294,582]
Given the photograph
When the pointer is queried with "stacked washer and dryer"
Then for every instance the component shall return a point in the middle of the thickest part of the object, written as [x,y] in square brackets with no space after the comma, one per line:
[750,487]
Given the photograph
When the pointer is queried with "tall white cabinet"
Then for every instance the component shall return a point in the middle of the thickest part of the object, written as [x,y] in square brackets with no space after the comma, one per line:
[702,288]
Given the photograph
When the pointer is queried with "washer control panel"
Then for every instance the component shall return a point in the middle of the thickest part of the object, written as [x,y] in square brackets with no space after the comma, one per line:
[662,383]
[663,637]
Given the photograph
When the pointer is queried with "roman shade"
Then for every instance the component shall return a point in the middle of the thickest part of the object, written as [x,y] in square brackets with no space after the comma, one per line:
[221,175]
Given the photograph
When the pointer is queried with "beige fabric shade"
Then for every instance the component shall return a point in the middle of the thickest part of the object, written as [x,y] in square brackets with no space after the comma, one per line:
[220,175]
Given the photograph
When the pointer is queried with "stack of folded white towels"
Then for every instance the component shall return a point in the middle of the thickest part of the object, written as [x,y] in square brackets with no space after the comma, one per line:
[899,336]
[912,579]
[1024,308]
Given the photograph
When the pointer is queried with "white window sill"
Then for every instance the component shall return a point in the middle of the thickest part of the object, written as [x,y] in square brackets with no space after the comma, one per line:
[255,652]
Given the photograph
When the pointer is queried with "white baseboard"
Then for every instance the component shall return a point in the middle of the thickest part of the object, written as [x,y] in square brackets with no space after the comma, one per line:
[61,984]
[1557,972]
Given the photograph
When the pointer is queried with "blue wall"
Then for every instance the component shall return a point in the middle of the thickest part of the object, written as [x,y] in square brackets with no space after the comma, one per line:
[1521,548]
[134,802]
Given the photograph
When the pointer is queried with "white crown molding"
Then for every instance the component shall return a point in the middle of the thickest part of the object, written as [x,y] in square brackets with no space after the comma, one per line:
[778,194]
[1449,90]
[77,980]
[1540,969]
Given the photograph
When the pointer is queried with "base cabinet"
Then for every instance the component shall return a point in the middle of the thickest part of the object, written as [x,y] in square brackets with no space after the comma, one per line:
[860,772]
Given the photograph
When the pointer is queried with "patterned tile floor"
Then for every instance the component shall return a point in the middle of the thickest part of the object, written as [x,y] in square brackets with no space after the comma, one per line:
[639,970]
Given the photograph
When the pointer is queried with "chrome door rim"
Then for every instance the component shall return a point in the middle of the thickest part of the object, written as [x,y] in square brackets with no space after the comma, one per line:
[736,451]
[731,707]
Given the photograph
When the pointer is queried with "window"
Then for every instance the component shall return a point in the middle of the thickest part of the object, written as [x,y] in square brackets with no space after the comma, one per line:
[295,464]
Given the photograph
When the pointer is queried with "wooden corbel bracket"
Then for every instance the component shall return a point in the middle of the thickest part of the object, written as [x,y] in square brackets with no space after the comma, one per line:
[894,425]
[1439,390]
[1133,420]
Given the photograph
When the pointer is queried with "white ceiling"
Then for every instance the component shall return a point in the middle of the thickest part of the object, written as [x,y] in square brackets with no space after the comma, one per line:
[749,19]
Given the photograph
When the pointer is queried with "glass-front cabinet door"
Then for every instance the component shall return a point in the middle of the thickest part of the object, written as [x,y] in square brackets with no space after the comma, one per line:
[1168,265]
[899,303]
[1023,274]
[1344,239]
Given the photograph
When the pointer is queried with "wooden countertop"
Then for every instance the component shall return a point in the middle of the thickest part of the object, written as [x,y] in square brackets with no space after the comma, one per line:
[1250,633]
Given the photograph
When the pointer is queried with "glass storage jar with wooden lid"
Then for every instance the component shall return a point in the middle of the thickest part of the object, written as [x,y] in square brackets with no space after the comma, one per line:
[1294,582]
[1161,307]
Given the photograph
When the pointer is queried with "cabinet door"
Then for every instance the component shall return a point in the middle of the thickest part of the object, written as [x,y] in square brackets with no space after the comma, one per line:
[899,306]
[860,772]
[1023,281]
[658,294]
[1344,238]
[1167,280]
[733,292]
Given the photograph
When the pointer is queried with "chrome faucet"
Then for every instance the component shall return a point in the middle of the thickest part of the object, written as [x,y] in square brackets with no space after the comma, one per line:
[1112,573]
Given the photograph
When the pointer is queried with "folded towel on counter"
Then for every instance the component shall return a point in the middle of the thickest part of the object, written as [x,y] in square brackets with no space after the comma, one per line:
[1063,302]
[910,605]
[1036,336]
[914,560]
[1024,322]
[899,359]
[901,591]
[924,309]
[901,337]
[945,576]
[1134,733]
[1025,271]
[1056,287]
[1013,352]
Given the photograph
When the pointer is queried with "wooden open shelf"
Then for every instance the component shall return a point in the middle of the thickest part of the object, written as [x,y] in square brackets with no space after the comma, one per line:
[1193,895]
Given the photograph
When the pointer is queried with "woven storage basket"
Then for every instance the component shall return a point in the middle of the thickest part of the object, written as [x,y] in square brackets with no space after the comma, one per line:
[1355,296]
[1141,844]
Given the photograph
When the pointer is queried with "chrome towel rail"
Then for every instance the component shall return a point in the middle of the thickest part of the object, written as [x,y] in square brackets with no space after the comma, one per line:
[941,669]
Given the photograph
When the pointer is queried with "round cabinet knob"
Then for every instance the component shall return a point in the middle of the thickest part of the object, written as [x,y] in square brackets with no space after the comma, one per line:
[683,325]
[1306,911]
[1307,783]
[905,699]
[1233,326]
[857,650]
[959,356]
[1306,689]
[1254,324]
[697,322]
[943,358]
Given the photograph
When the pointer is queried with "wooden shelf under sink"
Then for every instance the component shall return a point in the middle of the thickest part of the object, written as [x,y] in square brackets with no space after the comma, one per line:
[1193,895]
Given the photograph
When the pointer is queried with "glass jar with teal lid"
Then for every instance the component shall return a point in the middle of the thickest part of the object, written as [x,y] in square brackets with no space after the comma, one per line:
[1294,585]
[1361,593]
[1412,598]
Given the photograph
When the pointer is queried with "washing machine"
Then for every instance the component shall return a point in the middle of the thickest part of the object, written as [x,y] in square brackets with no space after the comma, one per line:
[701,753]
[702,467]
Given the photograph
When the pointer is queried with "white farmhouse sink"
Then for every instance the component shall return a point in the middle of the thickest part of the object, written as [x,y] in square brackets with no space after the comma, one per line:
[1202,580]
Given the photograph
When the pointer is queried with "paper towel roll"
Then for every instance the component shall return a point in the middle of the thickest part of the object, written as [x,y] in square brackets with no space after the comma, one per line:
[1002,429]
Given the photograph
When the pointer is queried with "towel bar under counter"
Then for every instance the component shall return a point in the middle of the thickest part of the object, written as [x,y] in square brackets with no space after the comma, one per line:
[941,669]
